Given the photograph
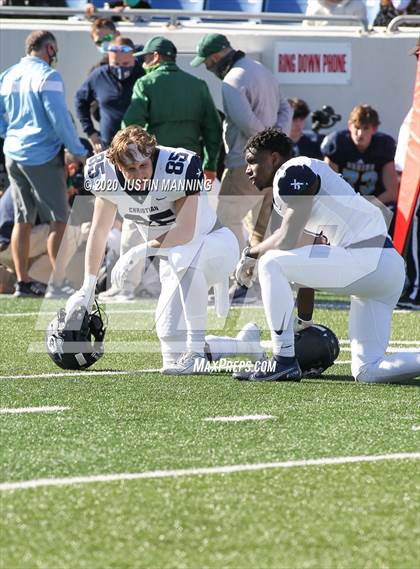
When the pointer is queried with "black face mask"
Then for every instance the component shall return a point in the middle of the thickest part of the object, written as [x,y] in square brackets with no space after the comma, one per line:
[221,68]
[52,59]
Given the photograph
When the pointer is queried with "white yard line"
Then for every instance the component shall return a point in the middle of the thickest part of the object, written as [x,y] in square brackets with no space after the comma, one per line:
[42,313]
[397,342]
[228,469]
[78,374]
[13,410]
[239,418]
[105,372]
[396,347]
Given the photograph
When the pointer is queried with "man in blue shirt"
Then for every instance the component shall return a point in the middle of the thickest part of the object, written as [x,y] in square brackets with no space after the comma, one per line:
[111,86]
[38,126]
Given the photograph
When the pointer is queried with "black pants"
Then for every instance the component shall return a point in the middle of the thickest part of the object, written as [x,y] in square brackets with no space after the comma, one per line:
[412,255]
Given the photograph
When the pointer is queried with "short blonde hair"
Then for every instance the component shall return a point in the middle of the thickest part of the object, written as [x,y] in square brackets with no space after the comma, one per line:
[118,150]
[364,115]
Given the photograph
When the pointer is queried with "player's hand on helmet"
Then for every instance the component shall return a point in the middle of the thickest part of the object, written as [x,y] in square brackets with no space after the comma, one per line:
[246,269]
[83,298]
[126,263]
[300,324]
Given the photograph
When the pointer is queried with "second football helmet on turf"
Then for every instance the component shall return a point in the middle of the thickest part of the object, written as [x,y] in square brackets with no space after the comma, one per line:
[316,349]
[78,342]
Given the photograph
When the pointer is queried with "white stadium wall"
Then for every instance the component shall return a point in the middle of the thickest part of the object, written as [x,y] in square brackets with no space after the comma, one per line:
[340,68]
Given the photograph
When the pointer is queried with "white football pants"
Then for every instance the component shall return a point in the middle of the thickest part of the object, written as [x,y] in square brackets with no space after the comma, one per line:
[181,313]
[373,278]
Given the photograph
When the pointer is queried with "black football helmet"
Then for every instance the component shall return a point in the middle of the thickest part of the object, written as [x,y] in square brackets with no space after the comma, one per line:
[69,344]
[316,349]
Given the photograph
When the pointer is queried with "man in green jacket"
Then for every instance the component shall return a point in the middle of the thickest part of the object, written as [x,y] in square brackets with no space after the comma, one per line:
[175,106]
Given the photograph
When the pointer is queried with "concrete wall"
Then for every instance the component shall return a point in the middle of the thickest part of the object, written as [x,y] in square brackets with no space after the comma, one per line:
[382,74]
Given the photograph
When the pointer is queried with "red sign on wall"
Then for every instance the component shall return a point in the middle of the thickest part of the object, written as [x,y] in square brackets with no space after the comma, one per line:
[313,63]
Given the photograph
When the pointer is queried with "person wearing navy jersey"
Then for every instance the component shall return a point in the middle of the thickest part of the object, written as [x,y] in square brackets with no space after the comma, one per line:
[364,156]
[161,190]
[359,260]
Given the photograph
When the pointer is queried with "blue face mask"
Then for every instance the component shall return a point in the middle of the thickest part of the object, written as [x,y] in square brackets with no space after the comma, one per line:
[121,72]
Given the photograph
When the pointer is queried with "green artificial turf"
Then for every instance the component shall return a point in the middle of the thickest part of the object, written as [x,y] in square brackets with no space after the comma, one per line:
[362,515]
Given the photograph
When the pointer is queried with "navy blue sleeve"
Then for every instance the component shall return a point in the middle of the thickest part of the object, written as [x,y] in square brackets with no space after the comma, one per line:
[388,149]
[82,101]
[297,180]
[194,172]
[329,146]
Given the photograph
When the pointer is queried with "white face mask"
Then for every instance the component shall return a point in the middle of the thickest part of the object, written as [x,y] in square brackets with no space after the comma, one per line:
[103,48]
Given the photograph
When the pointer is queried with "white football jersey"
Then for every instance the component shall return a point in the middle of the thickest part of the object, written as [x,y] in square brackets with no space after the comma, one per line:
[344,216]
[176,173]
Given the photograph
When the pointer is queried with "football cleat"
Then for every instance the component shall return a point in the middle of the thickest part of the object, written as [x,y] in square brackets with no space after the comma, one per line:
[190,363]
[272,370]
[116,294]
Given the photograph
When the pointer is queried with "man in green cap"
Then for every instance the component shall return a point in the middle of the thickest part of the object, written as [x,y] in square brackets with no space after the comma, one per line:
[175,106]
[252,101]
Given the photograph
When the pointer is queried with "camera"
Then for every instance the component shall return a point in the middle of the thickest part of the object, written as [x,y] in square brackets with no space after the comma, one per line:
[324,118]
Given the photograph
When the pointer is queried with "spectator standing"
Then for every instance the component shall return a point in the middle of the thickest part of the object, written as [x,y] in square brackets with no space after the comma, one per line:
[390,9]
[111,86]
[37,128]
[252,101]
[304,143]
[335,8]
[102,32]
[364,156]
[175,106]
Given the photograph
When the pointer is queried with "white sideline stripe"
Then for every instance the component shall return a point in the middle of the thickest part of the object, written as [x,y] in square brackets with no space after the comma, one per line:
[415,428]
[345,345]
[79,374]
[238,418]
[229,469]
[11,410]
[53,313]
[105,372]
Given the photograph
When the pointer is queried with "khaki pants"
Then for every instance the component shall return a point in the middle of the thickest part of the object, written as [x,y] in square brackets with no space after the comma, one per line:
[239,202]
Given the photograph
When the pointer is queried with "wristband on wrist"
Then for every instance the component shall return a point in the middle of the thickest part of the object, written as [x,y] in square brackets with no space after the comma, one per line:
[89,282]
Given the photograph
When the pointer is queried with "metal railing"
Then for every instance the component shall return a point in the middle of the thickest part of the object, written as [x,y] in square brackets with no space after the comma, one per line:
[175,15]
[407,19]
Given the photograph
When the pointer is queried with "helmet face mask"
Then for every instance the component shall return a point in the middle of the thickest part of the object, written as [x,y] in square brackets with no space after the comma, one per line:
[317,348]
[77,343]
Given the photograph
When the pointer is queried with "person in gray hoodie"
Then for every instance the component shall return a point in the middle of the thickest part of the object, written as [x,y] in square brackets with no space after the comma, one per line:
[252,101]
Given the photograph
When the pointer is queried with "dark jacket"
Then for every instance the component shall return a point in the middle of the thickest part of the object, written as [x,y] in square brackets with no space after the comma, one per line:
[113,97]
[178,109]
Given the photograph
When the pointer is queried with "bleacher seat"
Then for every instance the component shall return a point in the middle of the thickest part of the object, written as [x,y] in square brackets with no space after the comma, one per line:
[287,6]
[254,6]
[76,4]
[178,4]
